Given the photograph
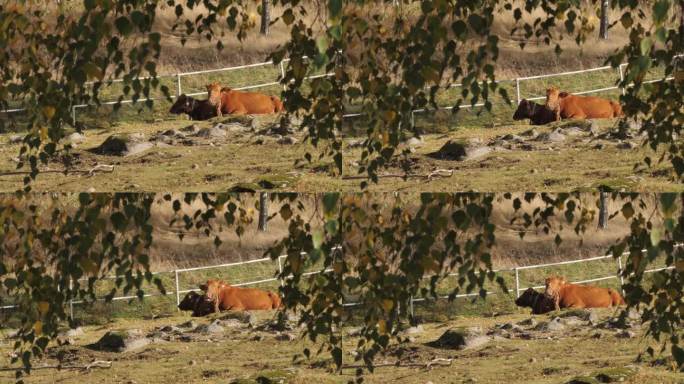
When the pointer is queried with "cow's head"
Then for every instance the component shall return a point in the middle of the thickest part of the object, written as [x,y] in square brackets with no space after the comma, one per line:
[525,110]
[183,104]
[212,288]
[527,298]
[554,285]
[553,96]
[214,92]
[189,302]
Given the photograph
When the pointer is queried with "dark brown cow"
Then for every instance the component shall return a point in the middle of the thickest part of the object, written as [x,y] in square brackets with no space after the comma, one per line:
[538,301]
[196,109]
[200,305]
[537,113]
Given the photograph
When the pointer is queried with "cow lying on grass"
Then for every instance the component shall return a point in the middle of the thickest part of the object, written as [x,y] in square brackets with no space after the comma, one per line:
[567,295]
[200,305]
[569,106]
[227,297]
[538,301]
[537,113]
[196,109]
[229,101]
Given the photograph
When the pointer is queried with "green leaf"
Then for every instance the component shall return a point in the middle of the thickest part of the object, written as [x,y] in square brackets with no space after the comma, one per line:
[660,10]
[335,8]
[123,25]
[627,210]
[645,45]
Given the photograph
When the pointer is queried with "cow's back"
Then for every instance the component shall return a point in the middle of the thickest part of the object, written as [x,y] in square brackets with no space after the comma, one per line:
[590,107]
[581,296]
[251,102]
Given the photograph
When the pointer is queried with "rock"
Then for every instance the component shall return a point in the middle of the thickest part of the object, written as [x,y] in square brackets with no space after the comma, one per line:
[243,317]
[414,142]
[512,137]
[530,133]
[232,127]
[76,137]
[625,145]
[78,331]
[212,328]
[594,128]
[573,131]
[572,320]
[353,332]
[532,360]
[121,341]
[451,150]
[211,132]
[15,139]
[192,129]
[460,338]
[475,152]
[552,325]
[633,314]
[355,143]
[123,145]
[625,334]
[91,190]
[531,322]
[232,323]
[615,375]
[583,380]
[593,318]
[598,146]
[555,136]
[287,140]
[188,324]
[195,166]
[285,337]
[414,330]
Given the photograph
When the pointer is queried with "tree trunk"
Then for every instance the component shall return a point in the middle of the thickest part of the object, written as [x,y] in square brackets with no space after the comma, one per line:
[603,29]
[603,210]
[265,16]
[263,211]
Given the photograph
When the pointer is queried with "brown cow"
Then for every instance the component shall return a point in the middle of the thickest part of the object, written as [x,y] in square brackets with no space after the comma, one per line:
[227,297]
[569,106]
[232,102]
[567,295]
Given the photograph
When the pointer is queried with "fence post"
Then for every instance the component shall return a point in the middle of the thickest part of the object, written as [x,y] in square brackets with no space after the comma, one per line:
[517,282]
[622,279]
[177,289]
[178,85]
[71,299]
[73,115]
[517,90]
[413,119]
[282,74]
[411,306]
[280,268]
[622,79]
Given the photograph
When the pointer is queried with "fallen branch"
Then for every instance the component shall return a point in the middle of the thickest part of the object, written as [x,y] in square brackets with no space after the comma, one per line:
[88,172]
[86,367]
[429,176]
[427,365]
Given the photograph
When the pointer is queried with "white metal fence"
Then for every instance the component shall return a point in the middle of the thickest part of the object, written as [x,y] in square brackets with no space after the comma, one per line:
[264,279]
[517,81]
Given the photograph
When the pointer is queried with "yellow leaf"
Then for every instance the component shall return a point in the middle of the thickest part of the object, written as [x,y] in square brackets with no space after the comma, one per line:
[49,111]
[43,133]
[387,304]
[382,326]
[43,307]
[389,115]
[679,265]
[38,327]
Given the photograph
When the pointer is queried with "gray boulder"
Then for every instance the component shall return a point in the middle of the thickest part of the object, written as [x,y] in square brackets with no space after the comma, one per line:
[76,138]
[555,136]
[461,338]
[121,341]
[550,326]
[123,145]
[212,132]
[15,139]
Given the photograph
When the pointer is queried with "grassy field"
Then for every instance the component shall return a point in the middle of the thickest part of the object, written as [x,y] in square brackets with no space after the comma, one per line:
[235,356]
